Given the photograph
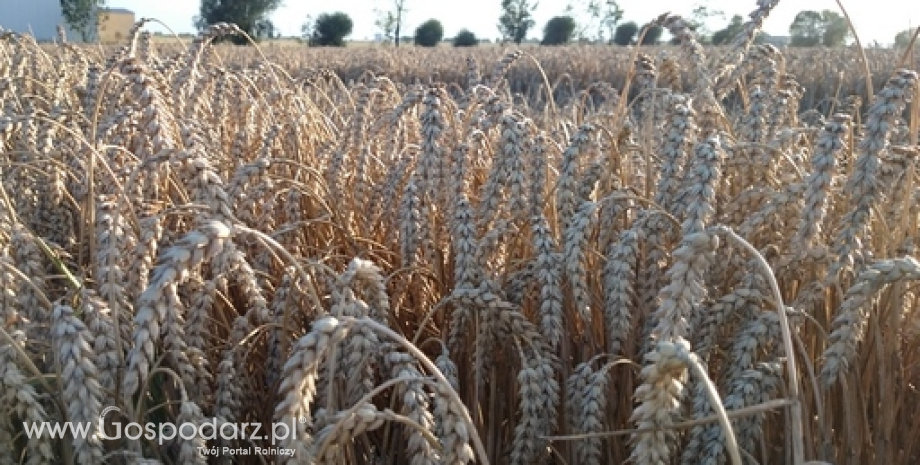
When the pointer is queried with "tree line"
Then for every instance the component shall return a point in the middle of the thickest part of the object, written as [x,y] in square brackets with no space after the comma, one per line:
[584,21]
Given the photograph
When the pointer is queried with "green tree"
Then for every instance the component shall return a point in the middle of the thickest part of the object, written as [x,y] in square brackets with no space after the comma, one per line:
[625,33]
[516,20]
[386,21]
[307,28]
[700,18]
[331,29]
[602,18]
[902,39]
[82,16]
[465,38]
[806,29]
[391,21]
[836,29]
[265,29]
[429,33]
[251,16]
[558,30]
[608,14]
[810,28]
[726,35]
[653,34]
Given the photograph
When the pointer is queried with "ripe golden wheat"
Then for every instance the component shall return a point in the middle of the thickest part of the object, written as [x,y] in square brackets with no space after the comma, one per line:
[676,255]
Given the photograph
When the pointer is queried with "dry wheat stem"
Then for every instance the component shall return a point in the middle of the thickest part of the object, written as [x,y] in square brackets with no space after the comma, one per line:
[432,369]
[524,200]
[789,350]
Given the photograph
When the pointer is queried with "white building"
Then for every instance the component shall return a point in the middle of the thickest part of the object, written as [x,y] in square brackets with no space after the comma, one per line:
[37,17]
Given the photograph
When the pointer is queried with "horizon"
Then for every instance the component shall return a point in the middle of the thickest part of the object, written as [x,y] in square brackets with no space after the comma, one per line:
[481,16]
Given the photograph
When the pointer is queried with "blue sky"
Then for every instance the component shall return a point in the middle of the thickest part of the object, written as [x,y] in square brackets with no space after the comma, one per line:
[875,19]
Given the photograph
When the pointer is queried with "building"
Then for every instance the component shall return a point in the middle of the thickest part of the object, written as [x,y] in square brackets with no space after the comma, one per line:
[114,25]
[41,18]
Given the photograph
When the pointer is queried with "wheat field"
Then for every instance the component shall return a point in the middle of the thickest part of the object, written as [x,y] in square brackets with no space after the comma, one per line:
[674,255]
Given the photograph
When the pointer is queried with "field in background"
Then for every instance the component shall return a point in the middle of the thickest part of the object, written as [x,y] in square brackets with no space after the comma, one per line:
[827,76]
[573,255]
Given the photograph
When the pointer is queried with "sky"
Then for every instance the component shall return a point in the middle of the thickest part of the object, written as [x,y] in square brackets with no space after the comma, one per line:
[875,20]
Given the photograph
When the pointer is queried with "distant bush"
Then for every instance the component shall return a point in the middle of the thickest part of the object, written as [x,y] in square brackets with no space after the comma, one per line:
[429,33]
[331,30]
[625,33]
[465,38]
[653,36]
[558,30]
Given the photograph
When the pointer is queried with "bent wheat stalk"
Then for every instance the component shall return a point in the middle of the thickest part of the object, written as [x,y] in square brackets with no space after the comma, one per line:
[798,435]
